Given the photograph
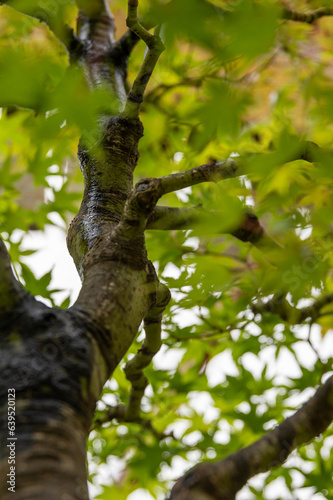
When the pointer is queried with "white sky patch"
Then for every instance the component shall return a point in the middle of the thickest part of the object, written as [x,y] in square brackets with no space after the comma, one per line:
[192,439]
[110,399]
[171,271]
[323,345]
[325,452]
[177,157]
[277,489]
[221,365]
[255,482]
[243,407]
[179,426]
[221,437]
[53,169]
[193,242]
[305,303]
[140,494]
[52,253]
[188,317]
[168,359]
[55,181]
[17,235]
[202,402]
[298,478]
[305,354]
[49,195]
[183,194]
[326,376]
[55,218]
[285,363]
[248,200]
[178,467]
[254,365]
[245,181]
[304,233]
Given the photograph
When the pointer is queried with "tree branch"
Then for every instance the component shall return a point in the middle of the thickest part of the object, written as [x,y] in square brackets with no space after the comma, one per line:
[152,344]
[118,413]
[279,305]
[142,201]
[210,172]
[309,17]
[157,92]
[218,171]
[170,218]
[141,213]
[128,41]
[314,310]
[225,478]
[155,49]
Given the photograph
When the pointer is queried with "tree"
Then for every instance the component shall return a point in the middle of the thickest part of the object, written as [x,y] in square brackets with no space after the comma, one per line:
[237,109]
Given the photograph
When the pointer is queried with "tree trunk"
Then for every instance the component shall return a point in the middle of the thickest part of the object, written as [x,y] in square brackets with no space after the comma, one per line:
[54,363]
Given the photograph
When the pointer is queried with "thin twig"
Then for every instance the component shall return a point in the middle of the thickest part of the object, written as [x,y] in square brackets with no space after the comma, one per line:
[118,413]
[311,343]
[129,40]
[217,171]
[326,313]
[152,344]
[304,17]
[171,218]
[279,305]
[155,49]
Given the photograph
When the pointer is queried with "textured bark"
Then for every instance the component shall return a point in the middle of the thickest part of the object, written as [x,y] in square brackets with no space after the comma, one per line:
[57,361]
[47,358]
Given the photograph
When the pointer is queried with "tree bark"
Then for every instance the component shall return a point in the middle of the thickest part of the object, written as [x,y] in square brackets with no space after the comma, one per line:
[50,386]
[54,363]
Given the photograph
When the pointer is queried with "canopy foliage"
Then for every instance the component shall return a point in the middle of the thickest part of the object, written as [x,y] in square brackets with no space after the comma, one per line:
[238,79]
